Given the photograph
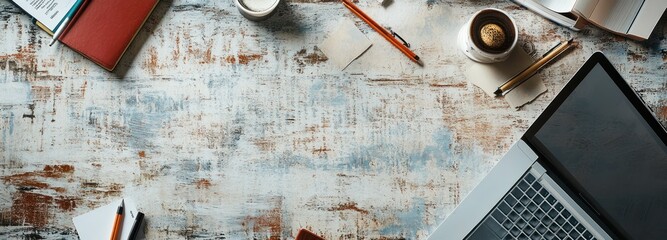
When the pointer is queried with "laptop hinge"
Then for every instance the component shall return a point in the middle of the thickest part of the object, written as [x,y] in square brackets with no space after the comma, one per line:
[526,150]
[537,170]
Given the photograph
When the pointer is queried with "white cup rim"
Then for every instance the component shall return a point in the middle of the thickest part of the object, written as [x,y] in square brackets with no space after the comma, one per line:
[254,13]
[476,54]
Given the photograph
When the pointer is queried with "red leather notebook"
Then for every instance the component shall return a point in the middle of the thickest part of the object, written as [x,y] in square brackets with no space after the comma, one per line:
[103,29]
[307,235]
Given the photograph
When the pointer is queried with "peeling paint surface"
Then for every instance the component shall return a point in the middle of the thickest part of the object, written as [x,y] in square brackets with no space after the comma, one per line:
[223,128]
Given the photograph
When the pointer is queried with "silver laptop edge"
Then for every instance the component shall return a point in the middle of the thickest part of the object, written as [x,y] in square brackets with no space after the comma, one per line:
[569,203]
[487,194]
[482,199]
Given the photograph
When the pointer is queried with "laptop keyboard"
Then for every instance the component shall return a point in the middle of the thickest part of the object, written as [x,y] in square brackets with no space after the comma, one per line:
[529,211]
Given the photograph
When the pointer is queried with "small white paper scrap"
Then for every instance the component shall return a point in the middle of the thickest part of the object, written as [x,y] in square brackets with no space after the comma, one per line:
[345,44]
[489,77]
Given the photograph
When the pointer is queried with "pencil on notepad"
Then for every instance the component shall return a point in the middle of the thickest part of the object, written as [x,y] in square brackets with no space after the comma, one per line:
[533,68]
[383,31]
[118,221]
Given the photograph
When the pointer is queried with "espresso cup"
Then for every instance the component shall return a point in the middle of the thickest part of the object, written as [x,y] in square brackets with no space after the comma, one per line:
[489,36]
[257,10]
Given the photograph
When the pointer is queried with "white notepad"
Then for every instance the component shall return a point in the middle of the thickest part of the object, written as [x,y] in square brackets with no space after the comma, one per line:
[97,224]
[344,44]
[489,77]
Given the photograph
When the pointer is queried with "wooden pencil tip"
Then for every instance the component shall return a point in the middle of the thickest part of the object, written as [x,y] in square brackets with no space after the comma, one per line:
[418,61]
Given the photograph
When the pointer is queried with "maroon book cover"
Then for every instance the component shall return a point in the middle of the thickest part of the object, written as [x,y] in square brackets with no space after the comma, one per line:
[103,29]
[307,235]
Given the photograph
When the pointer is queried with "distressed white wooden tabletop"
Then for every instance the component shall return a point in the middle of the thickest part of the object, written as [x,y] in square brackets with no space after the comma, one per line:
[225,128]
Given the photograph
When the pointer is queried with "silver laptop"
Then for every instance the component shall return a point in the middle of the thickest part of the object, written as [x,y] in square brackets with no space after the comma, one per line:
[592,166]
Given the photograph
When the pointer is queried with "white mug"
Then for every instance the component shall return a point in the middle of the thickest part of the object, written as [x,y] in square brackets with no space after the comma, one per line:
[257,10]
[470,40]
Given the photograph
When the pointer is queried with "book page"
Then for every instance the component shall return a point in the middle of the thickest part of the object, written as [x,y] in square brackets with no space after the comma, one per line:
[48,12]
[647,18]
[616,15]
[562,19]
[560,6]
[585,7]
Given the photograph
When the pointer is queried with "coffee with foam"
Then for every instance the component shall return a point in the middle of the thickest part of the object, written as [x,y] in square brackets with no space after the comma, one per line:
[489,36]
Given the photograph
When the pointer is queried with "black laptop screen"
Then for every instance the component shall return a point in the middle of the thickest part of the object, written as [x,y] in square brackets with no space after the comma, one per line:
[605,145]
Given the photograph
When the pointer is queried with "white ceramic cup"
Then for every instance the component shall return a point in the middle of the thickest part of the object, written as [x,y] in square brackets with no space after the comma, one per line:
[469,39]
[257,10]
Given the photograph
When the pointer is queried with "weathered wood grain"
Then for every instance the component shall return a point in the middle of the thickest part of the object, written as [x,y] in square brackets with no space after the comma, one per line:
[225,128]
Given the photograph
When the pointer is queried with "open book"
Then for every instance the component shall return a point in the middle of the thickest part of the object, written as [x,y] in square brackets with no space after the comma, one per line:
[630,18]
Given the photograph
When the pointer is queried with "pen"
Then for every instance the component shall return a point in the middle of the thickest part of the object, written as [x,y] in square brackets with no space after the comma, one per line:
[118,221]
[63,25]
[533,68]
[136,226]
[59,31]
[384,32]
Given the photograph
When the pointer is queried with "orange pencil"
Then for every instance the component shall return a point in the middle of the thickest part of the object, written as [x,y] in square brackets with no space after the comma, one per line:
[382,31]
[118,222]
